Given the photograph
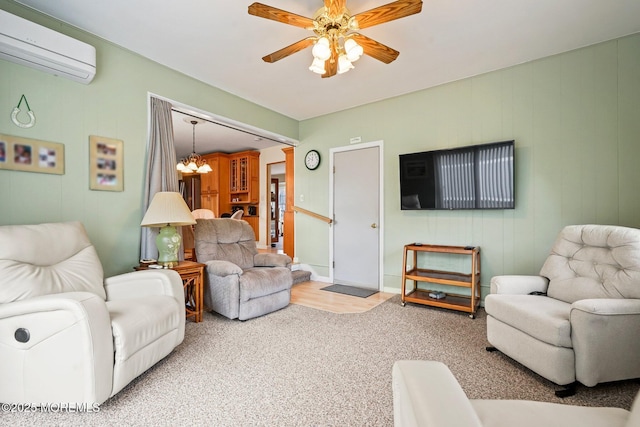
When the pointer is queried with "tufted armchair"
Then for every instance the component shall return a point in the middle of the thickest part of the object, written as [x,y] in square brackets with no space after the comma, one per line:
[66,334]
[579,320]
[240,282]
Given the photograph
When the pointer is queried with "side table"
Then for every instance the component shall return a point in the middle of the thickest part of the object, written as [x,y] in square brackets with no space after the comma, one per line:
[192,275]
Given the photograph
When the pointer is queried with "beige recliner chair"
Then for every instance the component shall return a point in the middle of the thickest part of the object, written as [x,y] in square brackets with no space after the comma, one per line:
[579,320]
[240,282]
[68,335]
[425,393]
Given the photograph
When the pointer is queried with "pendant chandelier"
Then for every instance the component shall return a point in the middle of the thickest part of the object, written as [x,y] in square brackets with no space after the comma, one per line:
[194,163]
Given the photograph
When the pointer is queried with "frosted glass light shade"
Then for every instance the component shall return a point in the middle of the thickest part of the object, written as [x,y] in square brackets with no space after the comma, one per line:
[344,64]
[321,49]
[204,169]
[354,50]
[317,66]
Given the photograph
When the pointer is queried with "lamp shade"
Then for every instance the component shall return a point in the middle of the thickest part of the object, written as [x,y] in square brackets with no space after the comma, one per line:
[167,208]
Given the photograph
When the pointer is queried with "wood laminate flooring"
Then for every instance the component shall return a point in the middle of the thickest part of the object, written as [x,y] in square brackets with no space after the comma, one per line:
[310,294]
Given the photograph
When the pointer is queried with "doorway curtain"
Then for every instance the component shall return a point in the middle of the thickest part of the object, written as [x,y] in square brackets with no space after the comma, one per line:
[161,168]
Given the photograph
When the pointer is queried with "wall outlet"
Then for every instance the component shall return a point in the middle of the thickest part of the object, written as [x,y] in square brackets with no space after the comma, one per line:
[302,197]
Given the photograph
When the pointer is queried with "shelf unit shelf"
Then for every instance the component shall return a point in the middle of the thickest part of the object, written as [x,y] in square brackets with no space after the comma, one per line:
[466,303]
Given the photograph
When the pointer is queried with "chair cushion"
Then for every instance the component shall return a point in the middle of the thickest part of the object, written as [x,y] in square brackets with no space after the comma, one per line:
[225,239]
[46,259]
[544,318]
[138,322]
[261,281]
[594,261]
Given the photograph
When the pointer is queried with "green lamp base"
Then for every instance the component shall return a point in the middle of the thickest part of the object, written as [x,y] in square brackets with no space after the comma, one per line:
[168,243]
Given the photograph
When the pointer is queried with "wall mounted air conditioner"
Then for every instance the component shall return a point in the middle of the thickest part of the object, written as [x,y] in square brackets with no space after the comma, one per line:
[33,45]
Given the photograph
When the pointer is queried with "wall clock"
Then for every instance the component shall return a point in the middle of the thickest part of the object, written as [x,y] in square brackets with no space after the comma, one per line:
[312,160]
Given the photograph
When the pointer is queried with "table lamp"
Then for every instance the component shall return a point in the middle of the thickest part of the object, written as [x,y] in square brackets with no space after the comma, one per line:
[167,211]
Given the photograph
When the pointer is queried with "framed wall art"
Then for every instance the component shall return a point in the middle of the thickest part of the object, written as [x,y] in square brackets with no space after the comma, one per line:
[106,169]
[31,155]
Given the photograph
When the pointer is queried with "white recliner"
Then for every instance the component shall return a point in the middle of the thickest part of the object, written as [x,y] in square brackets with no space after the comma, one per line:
[582,322]
[426,394]
[68,335]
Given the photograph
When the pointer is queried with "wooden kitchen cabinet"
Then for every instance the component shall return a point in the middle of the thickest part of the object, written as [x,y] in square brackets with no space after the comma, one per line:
[214,186]
[244,186]
[244,177]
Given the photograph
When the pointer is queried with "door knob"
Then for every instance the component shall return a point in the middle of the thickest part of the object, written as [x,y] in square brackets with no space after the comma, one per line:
[374,225]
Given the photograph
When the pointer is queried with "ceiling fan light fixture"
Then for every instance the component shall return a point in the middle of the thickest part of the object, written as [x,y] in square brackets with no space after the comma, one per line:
[344,64]
[353,50]
[317,66]
[335,31]
[321,50]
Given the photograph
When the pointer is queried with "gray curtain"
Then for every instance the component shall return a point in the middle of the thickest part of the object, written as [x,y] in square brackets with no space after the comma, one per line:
[161,174]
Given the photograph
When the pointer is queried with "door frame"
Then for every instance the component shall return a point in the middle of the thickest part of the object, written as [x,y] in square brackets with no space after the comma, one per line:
[267,198]
[332,152]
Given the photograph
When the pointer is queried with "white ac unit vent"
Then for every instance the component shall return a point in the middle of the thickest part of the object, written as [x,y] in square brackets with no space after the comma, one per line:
[30,44]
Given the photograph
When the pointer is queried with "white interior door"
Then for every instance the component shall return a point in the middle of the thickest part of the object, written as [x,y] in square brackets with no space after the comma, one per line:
[356,214]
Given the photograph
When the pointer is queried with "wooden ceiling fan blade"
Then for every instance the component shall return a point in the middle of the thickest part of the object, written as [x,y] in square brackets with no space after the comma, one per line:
[331,65]
[289,50]
[268,12]
[376,49]
[335,7]
[388,12]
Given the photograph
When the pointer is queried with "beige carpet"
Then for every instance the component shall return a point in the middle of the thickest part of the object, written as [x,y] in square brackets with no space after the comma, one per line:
[306,367]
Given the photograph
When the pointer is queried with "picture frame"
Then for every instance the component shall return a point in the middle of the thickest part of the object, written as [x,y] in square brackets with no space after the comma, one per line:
[106,168]
[31,155]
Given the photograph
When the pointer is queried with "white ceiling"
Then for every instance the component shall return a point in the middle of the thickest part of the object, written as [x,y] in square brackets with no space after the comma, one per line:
[218,42]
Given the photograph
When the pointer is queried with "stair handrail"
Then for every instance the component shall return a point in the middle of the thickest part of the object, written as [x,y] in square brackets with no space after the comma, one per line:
[313,214]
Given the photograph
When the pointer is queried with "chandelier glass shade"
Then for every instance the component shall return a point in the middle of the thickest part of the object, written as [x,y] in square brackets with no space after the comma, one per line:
[194,163]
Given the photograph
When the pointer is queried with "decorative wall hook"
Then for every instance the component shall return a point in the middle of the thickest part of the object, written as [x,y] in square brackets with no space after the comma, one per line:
[16,111]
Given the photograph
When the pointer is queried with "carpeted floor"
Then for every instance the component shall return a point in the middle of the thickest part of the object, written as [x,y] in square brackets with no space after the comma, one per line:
[306,367]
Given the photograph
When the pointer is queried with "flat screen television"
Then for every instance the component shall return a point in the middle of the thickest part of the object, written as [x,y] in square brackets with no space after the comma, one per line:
[472,177]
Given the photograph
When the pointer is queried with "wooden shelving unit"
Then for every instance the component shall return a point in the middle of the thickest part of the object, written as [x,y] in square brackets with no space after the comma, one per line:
[467,303]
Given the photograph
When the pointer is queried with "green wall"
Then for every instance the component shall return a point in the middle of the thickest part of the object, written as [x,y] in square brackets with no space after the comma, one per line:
[575,118]
[114,105]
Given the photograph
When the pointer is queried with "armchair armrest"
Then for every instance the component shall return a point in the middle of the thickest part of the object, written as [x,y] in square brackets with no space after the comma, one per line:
[604,334]
[271,260]
[519,285]
[608,306]
[67,355]
[222,268]
[140,284]
[425,393]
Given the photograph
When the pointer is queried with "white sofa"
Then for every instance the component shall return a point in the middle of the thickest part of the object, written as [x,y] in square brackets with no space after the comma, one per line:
[585,325]
[66,334]
[426,394]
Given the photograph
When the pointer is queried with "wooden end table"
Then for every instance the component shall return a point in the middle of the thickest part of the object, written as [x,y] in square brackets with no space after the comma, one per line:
[192,275]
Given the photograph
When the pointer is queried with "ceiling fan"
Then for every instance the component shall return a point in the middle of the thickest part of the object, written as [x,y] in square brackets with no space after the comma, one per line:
[337,43]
